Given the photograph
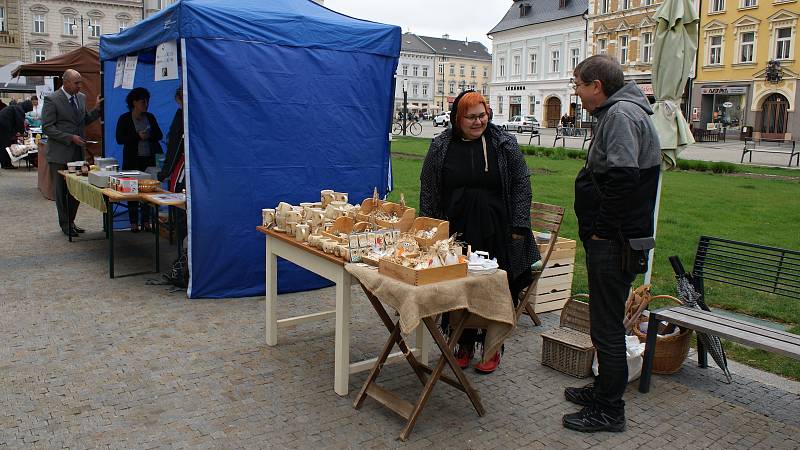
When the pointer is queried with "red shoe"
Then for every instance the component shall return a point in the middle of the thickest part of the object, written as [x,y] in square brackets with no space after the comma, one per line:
[490,365]
[464,357]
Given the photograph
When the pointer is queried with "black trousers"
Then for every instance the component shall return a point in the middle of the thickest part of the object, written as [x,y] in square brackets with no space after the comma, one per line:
[66,204]
[609,287]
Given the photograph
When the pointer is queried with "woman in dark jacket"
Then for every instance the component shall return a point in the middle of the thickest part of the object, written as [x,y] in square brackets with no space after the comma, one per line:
[475,176]
[138,133]
[12,121]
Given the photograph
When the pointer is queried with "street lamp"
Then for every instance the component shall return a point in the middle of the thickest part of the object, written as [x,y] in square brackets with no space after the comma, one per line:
[405,103]
[75,24]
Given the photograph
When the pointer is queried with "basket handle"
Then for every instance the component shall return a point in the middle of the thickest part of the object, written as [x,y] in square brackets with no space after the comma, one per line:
[631,321]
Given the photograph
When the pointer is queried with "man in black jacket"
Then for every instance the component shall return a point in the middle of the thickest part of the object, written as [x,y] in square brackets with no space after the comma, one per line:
[615,196]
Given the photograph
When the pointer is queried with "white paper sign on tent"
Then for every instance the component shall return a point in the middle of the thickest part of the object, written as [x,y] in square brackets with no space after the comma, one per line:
[130,71]
[43,91]
[166,61]
[120,71]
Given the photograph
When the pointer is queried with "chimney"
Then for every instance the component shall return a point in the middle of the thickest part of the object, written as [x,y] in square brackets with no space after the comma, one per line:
[445,36]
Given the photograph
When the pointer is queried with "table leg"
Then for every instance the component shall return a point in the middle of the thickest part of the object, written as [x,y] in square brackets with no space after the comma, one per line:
[157,233]
[66,203]
[271,294]
[341,376]
[423,343]
[110,226]
[649,352]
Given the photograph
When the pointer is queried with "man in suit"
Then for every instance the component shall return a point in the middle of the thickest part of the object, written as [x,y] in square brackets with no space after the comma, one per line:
[64,117]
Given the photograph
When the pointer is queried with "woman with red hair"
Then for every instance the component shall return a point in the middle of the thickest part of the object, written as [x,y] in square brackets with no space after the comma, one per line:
[475,176]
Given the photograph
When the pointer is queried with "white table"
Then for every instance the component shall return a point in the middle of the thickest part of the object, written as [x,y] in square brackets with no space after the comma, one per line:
[331,268]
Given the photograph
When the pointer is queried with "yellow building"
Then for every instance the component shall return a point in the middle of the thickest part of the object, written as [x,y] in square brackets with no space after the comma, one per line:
[739,40]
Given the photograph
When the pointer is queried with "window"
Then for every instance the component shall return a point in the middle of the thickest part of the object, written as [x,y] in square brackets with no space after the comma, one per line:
[574,57]
[485,89]
[68,22]
[452,87]
[500,105]
[502,68]
[555,60]
[602,46]
[452,69]
[485,71]
[604,6]
[415,70]
[783,43]
[3,18]
[647,47]
[531,104]
[425,90]
[405,69]
[626,4]
[472,71]
[440,86]
[425,71]
[441,69]
[715,50]
[461,70]
[94,27]
[717,5]
[746,47]
[39,55]
[123,25]
[38,23]
[516,65]
[647,2]
[623,49]
[534,63]
[749,3]
[415,89]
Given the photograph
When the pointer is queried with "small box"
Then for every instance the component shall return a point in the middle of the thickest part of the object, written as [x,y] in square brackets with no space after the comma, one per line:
[128,185]
[569,348]
[422,276]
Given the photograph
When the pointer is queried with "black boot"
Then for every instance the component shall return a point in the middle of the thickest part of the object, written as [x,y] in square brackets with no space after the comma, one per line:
[591,419]
[583,396]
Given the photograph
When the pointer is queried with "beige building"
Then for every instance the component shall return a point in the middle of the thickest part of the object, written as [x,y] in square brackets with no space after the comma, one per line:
[54,27]
[9,32]
[625,30]
[459,65]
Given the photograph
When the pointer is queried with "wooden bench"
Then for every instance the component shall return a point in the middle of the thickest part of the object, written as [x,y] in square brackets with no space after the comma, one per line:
[756,267]
[780,146]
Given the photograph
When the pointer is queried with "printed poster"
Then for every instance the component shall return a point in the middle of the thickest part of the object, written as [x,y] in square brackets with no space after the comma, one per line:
[130,71]
[166,61]
[119,72]
[43,91]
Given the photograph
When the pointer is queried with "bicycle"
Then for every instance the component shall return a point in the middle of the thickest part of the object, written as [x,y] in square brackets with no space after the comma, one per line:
[412,127]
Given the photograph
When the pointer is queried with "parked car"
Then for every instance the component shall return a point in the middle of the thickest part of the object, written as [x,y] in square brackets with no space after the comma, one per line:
[442,119]
[521,124]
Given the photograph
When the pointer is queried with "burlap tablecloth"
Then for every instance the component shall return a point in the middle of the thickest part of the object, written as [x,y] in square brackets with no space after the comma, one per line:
[486,297]
[85,192]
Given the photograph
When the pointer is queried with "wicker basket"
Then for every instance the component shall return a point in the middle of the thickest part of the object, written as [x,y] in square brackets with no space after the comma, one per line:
[671,351]
[568,348]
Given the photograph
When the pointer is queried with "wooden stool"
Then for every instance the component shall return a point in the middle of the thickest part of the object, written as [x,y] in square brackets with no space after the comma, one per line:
[427,376]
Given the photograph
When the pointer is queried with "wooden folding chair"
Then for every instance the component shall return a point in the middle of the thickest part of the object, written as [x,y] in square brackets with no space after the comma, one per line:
[544,217]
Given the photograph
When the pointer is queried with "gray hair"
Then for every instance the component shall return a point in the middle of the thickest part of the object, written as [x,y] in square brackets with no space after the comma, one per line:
[603,68]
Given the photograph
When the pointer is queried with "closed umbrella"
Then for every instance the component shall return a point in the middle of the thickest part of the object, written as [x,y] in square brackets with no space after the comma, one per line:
[693,299]
[675,49]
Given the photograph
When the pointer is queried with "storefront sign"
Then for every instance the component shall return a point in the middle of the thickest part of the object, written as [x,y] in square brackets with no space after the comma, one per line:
[647,89]
[515,100]
[695,114]
[727,104]
[723,90]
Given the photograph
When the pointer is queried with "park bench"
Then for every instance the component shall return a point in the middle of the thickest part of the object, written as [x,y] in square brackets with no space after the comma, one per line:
[751,266]
[780,146]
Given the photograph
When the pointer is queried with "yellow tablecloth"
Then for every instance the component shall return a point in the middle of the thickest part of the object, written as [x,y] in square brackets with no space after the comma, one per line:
[486,297]
[84,192]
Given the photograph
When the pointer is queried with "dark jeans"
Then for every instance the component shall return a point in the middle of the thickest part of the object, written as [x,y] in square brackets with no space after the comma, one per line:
[66,204]
[609,287]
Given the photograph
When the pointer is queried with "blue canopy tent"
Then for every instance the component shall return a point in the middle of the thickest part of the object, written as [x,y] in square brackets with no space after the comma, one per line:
[282,99]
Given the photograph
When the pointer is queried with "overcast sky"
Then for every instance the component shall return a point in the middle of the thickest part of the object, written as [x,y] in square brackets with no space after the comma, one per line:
[460,19]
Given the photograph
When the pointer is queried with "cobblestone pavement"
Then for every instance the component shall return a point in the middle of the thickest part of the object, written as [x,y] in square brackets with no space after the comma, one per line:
[91,362]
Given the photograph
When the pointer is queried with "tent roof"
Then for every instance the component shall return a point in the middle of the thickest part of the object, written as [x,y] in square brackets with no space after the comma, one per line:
[294,23]
[83,59]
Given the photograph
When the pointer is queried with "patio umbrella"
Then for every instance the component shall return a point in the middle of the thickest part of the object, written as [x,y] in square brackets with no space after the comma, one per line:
[693,299]
[675,49]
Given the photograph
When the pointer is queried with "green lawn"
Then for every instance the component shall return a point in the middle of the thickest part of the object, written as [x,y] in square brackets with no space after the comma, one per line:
[756,209]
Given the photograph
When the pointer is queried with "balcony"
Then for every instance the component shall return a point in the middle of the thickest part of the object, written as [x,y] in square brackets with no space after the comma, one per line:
[9,39]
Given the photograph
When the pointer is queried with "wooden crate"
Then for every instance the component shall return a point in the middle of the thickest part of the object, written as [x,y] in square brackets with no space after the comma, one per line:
[423,276]
[555,284]
[427,223]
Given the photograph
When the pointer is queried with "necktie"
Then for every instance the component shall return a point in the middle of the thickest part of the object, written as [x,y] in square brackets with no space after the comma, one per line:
[72,102]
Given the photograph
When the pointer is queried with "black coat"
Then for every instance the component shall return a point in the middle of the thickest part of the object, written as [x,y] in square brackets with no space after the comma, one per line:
[12,121]
[174,145]
[129,138]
